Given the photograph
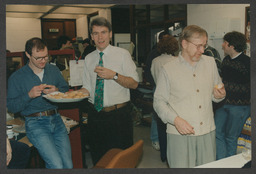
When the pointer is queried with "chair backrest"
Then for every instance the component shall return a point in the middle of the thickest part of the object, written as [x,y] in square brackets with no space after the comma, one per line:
[127,158]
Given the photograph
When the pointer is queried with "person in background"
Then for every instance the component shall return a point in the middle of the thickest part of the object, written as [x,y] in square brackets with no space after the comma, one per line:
[109,73]
[210,51]
[235,72]
[17,154]
[167,46]
[158,128]
[88,47]
[183,100]
[44,126]
[152,55]
[64,42]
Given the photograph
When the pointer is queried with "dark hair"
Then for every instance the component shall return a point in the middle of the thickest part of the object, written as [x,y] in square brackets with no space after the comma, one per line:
[63,40]
[189,31]
[236,39]
[35,42]
[100,21]
[168,44]
[87,40]
[163,33]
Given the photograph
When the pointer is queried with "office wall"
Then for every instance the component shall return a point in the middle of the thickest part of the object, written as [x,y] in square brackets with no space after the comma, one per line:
[19,30]
[81,27]
[217,19]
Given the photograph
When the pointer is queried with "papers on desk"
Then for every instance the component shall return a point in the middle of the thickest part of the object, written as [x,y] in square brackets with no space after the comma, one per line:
[69,123]
[19,128]
[236,161]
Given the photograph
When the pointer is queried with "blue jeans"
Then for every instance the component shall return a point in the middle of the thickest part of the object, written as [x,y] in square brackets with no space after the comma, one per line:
[49,135]
[229,121]
[154,132]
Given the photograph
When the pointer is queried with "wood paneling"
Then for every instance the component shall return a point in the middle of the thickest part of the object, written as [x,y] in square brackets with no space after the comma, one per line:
[65,27]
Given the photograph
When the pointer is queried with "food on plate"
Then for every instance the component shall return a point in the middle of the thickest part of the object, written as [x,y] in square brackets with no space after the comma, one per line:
[68,95]
[219,86]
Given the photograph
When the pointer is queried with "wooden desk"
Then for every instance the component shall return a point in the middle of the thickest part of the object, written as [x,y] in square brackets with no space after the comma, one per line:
[16,121]
[26,141]
[75,137]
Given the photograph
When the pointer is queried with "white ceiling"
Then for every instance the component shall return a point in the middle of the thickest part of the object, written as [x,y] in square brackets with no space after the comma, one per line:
[70,11]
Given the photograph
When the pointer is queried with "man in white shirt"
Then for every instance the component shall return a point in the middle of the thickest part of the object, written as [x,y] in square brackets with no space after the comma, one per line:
[183,99]
[109,72]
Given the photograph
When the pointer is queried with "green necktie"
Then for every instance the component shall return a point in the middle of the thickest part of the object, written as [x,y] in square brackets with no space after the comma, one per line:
[99,89]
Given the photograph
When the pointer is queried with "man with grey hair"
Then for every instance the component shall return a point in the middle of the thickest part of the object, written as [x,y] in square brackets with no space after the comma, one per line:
[185,89]
[109,73]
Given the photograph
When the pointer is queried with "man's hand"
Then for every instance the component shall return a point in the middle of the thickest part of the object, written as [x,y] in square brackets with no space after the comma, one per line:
[8,152]
[219,93]
[49,89]
[183,126]
[36,91]
[104,73]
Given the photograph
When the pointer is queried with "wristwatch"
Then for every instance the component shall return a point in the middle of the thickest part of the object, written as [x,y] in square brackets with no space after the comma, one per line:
[115,76]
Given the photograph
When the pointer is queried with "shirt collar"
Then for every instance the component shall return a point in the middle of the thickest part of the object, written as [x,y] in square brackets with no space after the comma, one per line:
[236,55]
[105,51]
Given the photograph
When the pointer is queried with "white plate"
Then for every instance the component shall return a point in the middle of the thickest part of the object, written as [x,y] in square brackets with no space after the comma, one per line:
[63,100]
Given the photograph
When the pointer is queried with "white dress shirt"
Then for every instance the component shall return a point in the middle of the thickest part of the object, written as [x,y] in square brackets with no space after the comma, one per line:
[187,91]
[116,59]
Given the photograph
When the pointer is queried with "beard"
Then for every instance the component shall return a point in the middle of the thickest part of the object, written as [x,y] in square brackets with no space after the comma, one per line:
[195,59]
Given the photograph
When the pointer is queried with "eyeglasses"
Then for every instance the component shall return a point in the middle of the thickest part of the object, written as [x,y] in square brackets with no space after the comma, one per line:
[199,46]
[41,58]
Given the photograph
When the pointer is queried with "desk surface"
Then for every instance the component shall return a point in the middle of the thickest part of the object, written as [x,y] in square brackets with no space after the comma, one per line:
[25,140]
[236,161]
[15,121]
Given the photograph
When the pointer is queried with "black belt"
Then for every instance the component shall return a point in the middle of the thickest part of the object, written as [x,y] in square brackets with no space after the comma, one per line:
[112,108]
[44,113]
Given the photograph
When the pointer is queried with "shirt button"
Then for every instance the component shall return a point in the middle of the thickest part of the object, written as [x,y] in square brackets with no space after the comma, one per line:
[200,106]
[197,90]
[194,75]
[201,123]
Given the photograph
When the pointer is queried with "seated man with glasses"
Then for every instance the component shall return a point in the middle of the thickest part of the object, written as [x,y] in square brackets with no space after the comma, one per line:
[183,98]
[44,126]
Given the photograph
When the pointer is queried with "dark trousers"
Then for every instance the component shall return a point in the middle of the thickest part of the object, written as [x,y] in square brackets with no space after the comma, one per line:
[161,129]
[108,130]
[20,155]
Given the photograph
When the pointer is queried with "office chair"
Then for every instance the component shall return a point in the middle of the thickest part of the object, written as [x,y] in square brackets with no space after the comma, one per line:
[118,158]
